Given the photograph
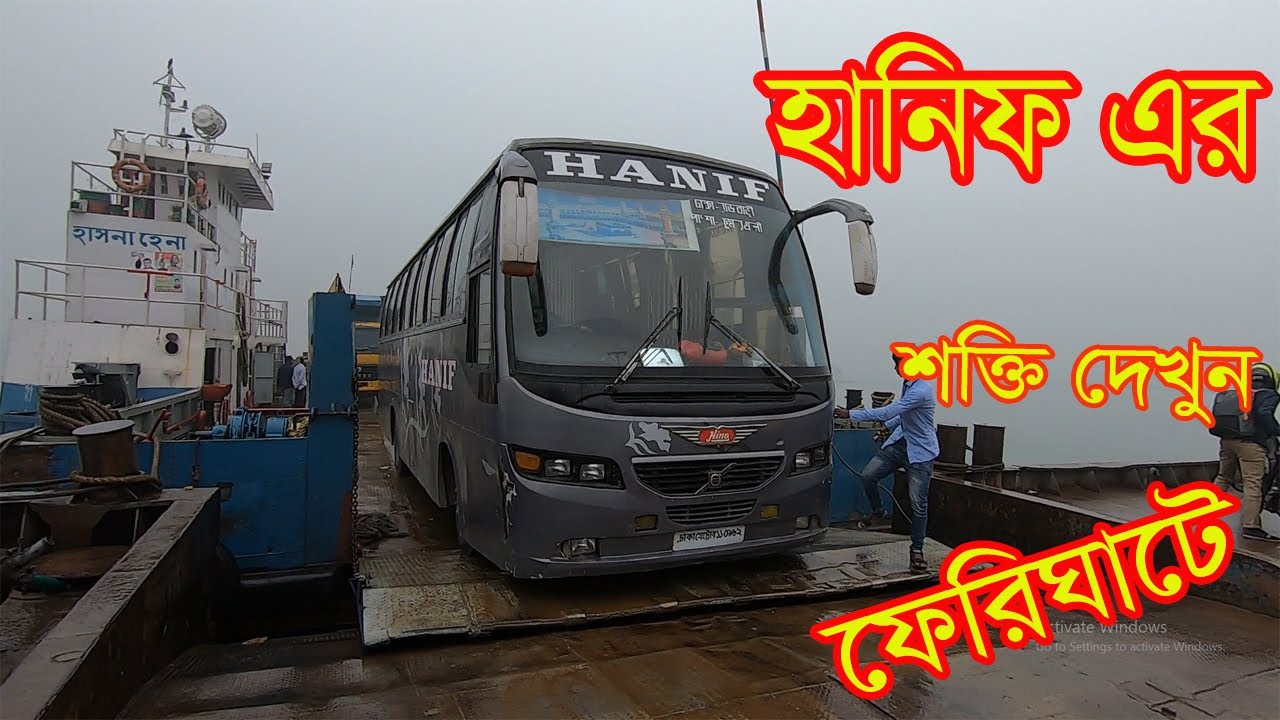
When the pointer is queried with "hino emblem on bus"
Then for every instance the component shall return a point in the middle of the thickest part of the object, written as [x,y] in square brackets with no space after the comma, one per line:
[715,435]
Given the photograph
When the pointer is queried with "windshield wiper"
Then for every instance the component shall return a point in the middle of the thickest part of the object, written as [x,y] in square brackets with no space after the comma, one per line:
[676,311]
[784,380]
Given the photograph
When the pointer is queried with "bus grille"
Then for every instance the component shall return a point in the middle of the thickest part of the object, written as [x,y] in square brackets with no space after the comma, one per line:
[710,512]
[693,477]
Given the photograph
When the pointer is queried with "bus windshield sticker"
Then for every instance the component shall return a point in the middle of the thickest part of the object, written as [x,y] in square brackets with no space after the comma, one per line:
[739,217]
[606,220]
[652,438]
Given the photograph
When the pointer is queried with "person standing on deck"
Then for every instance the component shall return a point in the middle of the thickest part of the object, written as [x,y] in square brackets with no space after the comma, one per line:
[912,446]
[1271,481]
[300,381]
[1248,441]
[284,382]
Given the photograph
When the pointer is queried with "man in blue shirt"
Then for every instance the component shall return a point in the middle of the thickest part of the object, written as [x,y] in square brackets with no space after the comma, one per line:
[912,446]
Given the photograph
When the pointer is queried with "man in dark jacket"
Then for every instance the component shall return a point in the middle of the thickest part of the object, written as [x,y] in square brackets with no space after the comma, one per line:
[1248,445]
[284,382]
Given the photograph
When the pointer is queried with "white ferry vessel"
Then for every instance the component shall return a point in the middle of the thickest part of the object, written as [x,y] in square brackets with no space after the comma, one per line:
[158,291]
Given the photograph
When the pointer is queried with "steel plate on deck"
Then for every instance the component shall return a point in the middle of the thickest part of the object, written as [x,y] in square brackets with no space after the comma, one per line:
[442,592]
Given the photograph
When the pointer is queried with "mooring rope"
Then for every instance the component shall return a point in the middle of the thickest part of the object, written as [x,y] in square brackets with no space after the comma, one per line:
[372,527]
[135,479]
[64,413]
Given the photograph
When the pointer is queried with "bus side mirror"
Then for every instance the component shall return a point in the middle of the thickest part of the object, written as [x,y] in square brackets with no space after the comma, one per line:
[862,253]
[862,249]
[518,227]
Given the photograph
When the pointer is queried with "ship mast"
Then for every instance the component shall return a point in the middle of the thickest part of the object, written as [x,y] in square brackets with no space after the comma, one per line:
[168,82]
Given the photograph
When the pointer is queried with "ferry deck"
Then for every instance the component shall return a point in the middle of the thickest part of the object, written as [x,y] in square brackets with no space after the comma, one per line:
[1196,659]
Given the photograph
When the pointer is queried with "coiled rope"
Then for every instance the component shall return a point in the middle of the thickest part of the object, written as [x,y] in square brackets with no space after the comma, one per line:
[138,478]
[372,527]
[60,414]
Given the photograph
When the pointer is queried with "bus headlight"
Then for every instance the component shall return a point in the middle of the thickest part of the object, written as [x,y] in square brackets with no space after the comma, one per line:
[571,469]
[812,458]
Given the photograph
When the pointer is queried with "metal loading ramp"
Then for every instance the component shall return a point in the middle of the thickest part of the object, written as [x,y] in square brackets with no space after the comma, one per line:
[421,584]
[442,592]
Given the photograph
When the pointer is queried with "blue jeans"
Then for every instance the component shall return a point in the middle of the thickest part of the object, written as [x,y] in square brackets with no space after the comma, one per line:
[882,466]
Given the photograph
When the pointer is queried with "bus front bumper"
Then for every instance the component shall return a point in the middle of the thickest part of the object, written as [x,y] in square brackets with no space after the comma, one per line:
[546,519]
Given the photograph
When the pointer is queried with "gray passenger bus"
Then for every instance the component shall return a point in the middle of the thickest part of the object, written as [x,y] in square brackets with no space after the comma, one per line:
[611,358]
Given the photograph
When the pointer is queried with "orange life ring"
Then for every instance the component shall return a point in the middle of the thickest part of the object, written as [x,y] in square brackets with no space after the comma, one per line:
[143,175]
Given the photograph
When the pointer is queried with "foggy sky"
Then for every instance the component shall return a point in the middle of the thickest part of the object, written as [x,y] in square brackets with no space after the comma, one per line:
[378,115]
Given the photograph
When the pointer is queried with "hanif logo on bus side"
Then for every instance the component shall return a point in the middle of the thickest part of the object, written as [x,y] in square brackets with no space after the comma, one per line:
[438,373]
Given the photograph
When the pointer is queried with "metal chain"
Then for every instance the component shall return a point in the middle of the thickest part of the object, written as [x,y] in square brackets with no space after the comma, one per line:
[355,488]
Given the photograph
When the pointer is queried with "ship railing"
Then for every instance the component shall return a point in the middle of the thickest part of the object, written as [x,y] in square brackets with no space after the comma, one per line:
[261,318]
[248,251]
[94,192]
[269,319]
[173,141]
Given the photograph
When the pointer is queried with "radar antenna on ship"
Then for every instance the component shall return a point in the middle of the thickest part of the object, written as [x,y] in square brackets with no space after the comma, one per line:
[168,82]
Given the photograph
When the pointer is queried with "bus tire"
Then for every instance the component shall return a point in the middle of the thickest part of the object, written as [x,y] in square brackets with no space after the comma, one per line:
[449,484]
[396,462]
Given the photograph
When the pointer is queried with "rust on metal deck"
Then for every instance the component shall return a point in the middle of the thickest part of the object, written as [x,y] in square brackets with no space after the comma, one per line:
[421,584]
[1196,659]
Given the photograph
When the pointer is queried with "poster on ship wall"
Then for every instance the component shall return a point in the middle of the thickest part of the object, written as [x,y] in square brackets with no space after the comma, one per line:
[161,262]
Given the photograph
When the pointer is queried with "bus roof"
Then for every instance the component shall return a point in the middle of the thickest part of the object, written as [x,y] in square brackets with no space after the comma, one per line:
[368,299]
[530,143]
[521,144]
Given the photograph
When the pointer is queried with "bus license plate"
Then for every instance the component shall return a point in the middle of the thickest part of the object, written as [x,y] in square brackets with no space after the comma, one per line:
[713,537]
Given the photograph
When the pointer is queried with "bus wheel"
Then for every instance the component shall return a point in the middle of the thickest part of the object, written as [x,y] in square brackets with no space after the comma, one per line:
[450,480]
[396,462]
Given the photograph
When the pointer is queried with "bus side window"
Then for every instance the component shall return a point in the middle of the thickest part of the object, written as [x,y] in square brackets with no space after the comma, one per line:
[402,307]
[482,248]
[384,326]
[480,320]
[439,291]
[480,337]
[457,285]
[423,293]
[450,305]
[411,285]
[397,309]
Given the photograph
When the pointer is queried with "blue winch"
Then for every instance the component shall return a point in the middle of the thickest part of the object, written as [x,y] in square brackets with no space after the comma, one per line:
[248,424]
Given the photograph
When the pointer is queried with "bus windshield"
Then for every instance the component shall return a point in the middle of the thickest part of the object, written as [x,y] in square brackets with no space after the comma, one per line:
[612,255]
